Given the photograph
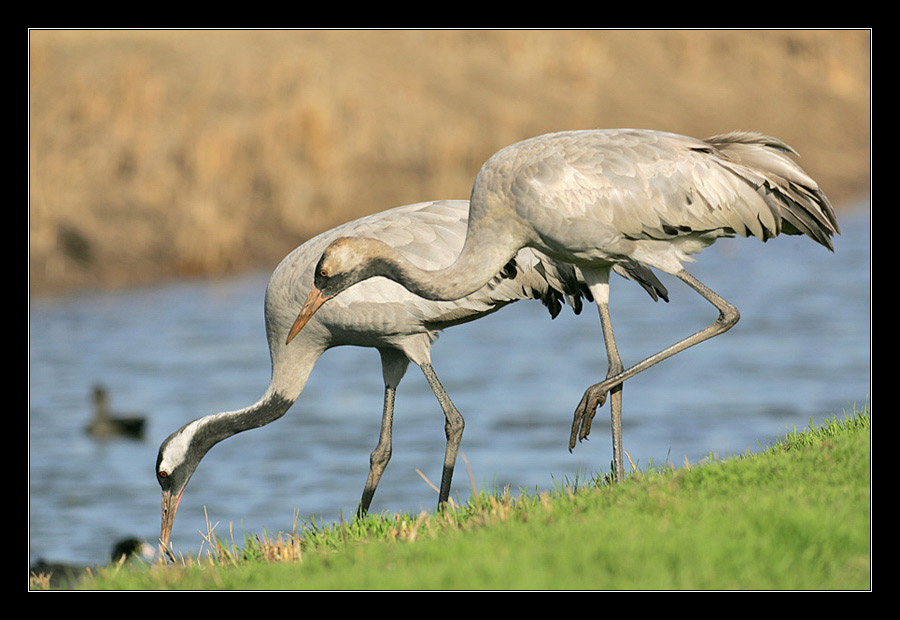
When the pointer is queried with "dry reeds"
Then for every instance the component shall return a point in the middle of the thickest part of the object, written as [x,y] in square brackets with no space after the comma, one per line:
[161,153]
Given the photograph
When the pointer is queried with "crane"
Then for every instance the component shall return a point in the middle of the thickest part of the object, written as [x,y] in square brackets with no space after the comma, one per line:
[378,313]
[602,199]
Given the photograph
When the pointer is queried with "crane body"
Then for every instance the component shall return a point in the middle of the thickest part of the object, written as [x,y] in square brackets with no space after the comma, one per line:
[604,200]
[381,314]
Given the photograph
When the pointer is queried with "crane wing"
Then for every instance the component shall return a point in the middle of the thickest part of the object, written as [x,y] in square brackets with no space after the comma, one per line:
[654,185]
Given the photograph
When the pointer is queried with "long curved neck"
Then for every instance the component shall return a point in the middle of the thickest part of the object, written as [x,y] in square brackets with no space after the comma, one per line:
[220,426]
[187,446]
[487,250]
[289,377]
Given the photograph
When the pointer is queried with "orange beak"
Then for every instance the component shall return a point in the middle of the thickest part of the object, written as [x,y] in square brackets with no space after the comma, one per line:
[169,507]
[313,303]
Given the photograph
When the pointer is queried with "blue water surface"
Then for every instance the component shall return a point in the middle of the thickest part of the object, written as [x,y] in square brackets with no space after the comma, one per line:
[174,352]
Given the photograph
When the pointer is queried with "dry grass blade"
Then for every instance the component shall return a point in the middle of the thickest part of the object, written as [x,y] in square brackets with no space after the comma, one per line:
[215,547]
[165,551]
[630,462]
[427,481]
[475,496]
[434,488]
[39,581]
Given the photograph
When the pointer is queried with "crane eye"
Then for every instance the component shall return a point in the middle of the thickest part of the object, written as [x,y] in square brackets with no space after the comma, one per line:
[323,273]
[163,474]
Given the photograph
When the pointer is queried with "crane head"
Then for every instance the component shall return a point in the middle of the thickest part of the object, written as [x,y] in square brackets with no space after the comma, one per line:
[346,261]
[178,458]
[313,302]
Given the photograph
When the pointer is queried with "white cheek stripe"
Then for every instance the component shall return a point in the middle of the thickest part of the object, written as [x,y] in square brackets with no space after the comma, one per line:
[177,449]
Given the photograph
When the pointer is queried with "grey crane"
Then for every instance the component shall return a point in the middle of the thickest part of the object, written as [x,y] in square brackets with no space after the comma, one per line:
[601,199]
[377,313]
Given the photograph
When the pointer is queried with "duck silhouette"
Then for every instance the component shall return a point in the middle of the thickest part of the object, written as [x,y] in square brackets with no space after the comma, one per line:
[105,425]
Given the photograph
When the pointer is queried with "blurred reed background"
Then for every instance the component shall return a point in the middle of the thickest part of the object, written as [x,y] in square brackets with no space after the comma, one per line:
[162,154]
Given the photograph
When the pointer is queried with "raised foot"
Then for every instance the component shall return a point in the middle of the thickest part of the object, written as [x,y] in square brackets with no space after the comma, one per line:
[593,398]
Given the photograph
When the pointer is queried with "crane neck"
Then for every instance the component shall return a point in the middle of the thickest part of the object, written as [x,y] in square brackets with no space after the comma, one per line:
[485,253]
[290,372]
[190,443]
[220,426]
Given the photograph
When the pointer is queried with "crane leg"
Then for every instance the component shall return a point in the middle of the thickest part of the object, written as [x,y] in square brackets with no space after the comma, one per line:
[393,366]
[615,394]
[598,283]
[453,428]
[595,395]
[379,458]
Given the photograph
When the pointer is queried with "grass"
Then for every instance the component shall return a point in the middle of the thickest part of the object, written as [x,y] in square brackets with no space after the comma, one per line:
[794,516]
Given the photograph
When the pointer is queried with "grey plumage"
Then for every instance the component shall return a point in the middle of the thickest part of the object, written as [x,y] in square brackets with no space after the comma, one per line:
[376,313]
[623,200]
[609,195]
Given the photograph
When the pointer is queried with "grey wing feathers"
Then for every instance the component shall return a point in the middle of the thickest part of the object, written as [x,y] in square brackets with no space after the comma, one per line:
[647,185]
[400,227]
[556,283]
[643,275]
[797,204]
[428,234]
[741,183]
[531,275]
[433,235]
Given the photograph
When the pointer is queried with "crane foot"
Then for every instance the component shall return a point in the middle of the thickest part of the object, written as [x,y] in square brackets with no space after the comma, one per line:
[593,398]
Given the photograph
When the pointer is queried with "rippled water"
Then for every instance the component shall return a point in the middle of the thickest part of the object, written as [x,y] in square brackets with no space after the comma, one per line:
[801,352]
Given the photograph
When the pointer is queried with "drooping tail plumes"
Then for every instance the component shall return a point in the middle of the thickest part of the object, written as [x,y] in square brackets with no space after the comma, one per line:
[794,197]
[556,283]
[531,274]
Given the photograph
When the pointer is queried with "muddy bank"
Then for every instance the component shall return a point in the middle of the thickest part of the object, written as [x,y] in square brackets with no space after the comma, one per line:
[158,155]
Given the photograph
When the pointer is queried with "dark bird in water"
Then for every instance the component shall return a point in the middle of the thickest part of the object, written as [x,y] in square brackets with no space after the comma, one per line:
[105,425]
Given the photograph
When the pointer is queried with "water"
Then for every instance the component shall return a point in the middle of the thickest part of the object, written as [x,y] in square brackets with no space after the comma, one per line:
[800,353]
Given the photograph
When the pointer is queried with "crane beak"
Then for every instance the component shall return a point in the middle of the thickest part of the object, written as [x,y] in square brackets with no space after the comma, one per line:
[169,507]
[313,302]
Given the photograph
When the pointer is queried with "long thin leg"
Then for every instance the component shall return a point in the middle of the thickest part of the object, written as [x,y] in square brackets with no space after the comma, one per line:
[393,367]
[598,283]
[595,395]
[453,428]
[379,458]
[615,395]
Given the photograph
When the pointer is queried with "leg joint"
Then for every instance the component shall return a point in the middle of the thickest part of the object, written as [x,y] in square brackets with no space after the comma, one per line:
[728,316]
[380,457]
[454,425]
[615,367]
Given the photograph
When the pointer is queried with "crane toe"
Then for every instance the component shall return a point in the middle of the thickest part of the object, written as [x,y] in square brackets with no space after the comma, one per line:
[593,398]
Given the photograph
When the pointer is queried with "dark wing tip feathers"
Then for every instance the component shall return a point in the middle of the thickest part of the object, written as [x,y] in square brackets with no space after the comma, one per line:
[643,275]
[553,298]
[800,203]
[571,289]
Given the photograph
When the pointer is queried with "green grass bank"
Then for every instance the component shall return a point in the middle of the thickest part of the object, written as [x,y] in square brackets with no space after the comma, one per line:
[795,515]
